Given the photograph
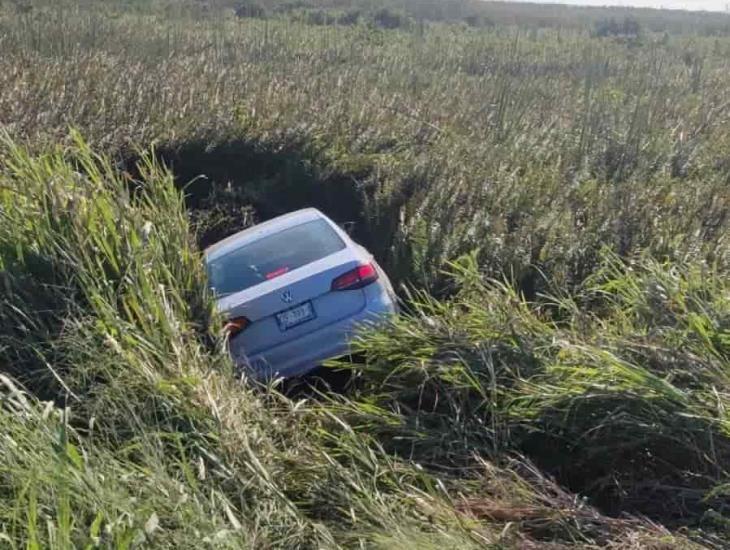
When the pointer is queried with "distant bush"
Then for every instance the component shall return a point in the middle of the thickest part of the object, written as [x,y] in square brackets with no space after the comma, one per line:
[384,18]
[318,17]
[289,7]
[351,17]
[390,19]
[251,9]
[611,27]
[478,21]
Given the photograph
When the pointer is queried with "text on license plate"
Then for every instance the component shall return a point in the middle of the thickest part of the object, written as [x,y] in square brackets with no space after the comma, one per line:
[295,316]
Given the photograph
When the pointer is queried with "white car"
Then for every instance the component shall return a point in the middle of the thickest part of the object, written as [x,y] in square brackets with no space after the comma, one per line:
[294,290]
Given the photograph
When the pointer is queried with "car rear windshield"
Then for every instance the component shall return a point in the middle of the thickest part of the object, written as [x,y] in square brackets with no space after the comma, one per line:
[273,256]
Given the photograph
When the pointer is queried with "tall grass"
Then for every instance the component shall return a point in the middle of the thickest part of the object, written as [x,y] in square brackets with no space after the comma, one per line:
[564,195]
[619,389]
[104,308]
[536,148]
[149,439]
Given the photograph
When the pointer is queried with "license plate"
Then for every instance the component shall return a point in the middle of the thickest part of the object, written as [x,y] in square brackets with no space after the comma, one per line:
[295,316]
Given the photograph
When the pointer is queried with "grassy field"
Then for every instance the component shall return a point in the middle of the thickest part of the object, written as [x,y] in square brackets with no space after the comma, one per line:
[548,186]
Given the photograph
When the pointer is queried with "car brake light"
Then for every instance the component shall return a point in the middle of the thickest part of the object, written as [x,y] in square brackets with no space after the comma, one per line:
[277,273]
[359,277]
[235,325]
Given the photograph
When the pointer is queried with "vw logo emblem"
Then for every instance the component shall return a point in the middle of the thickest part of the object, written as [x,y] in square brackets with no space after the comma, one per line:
[287,297]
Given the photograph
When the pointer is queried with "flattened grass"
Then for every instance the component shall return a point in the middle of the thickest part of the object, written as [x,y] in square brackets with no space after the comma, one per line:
[619,390]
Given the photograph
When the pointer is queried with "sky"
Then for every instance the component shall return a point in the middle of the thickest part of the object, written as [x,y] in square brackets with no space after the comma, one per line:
[706,5]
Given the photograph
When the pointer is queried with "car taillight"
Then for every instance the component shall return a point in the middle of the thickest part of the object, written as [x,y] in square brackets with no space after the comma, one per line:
[359,277]
[235,325]
[277,273]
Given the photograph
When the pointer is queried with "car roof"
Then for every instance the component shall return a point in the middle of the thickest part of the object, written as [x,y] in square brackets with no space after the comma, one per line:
[258,231]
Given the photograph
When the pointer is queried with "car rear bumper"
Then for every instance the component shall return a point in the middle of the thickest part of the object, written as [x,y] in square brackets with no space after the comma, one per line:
[299,356]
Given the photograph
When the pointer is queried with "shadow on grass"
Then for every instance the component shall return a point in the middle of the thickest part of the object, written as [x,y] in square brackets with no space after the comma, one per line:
[231,185]
[624,463]
[32,314]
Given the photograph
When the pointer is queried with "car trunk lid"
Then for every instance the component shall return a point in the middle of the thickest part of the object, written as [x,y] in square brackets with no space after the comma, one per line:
[309,284]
